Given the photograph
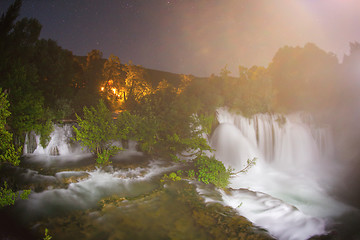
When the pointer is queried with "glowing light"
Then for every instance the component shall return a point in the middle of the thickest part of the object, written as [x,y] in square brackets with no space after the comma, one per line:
[102,89]
[114,90]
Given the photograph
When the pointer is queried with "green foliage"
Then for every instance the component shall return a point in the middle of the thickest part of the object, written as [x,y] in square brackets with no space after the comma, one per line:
[96,131]
[209,170]
[128,125]
[19,74]
[172,176]
[8,152]
[194,145]
[57,70]
[4,106]
[26,102]
[206,122]
[47,236]
[175,158]
[179,172]
[103,157]
[8,196]
[147,134]
[45,130]
[252,92]
[249,164]
[63,108]
[191,173]
[25,194]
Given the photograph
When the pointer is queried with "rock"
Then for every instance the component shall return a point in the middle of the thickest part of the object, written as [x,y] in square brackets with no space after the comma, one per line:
[54,151]
[75,179]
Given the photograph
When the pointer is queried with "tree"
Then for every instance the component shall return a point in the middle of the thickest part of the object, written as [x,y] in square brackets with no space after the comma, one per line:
[350,71]
[7,19]
[26,102]
[225,72]
[7,22]
[97,131]
[135,86]
[57,71]
[209,170]
[185,82]
[255,92]
[18,73]
[93,71]
[114,80]
[124,85]
[8,154]
[87,82]
[304,78]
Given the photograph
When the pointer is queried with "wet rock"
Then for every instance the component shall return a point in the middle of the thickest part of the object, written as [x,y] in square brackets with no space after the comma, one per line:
[54,151]
[112,201]
[75,178]
[31,142]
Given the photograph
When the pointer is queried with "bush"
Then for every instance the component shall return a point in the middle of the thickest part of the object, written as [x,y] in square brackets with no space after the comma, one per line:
[172,176]
[8,196]
[209,170]
[103,157]
[97,131]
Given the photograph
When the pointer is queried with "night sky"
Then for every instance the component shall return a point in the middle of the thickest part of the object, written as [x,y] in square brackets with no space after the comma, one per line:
[196,37]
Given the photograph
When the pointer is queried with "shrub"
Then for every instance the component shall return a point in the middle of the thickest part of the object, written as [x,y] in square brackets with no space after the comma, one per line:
[209,170]
[97,131]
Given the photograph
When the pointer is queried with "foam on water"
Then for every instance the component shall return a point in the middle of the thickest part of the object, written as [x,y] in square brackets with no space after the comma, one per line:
[88,191]
[283,220]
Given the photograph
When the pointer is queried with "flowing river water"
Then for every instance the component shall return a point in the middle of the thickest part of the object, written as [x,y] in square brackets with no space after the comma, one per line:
[286,195]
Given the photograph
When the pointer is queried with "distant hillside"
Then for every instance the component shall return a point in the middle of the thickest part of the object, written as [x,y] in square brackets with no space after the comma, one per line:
[153,76]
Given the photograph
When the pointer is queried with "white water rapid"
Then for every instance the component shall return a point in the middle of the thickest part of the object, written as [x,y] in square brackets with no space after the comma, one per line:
[286,192]
[87,191]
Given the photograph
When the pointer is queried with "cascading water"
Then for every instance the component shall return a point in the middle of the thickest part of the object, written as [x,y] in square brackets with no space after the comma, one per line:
[86,192]
[286,191]
[60,142]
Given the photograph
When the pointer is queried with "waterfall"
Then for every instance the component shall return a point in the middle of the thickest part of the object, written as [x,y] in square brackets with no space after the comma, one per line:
[60,142]
[286,192]
[288,141]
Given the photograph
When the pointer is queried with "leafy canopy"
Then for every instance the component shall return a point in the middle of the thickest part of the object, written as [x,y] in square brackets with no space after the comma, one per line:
[96,131]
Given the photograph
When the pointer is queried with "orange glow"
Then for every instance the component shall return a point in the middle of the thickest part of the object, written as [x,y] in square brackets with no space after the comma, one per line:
[102,89]
[114,90]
